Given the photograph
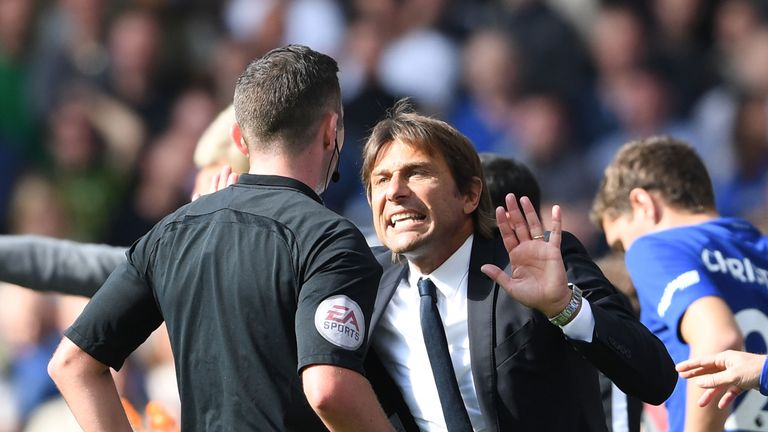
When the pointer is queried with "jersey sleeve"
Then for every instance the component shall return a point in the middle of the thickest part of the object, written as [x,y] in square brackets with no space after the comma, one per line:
[121,315]
[336,300]
[668,278]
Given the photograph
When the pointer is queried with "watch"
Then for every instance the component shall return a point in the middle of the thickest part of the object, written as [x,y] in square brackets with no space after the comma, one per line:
[566,314]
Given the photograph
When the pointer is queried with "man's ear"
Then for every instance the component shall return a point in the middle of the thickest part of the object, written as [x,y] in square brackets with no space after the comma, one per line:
[472,196]
[330,129]
[645,205]
[237,138]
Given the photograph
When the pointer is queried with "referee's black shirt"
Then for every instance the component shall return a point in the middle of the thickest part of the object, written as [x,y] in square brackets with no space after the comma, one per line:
[255,282]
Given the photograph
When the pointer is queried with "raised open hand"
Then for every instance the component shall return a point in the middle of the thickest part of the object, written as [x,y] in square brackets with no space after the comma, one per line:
[538,277]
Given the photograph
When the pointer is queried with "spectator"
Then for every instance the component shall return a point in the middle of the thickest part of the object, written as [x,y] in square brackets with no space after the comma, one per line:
[17,123]
[642,104]
[552,55]
[85,172]
[420,61]
[70,49]
[134,76]
[617,42]
[485,111]
[679,47]
[744,193]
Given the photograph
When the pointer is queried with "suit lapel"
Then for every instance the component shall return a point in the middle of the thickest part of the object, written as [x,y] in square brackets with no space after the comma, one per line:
[481,295]
[390,279]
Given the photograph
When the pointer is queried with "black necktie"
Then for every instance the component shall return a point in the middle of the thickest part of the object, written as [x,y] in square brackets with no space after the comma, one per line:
[455,413]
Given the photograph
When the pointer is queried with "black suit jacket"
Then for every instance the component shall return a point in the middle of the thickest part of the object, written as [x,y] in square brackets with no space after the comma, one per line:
[528,375]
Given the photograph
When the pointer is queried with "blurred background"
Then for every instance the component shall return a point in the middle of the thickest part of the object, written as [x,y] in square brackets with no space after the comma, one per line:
[102,103]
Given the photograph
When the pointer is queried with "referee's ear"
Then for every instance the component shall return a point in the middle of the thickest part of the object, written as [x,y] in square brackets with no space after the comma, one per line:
[237,138]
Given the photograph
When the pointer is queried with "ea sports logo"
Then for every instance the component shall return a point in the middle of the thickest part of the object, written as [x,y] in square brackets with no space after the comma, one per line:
[342,315]
[341,322]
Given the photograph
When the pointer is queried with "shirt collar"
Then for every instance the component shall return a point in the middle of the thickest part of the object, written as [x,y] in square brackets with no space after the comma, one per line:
[278,181]
[451,273]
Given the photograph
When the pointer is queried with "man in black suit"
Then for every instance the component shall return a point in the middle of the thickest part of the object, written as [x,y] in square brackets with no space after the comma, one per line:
[524,347]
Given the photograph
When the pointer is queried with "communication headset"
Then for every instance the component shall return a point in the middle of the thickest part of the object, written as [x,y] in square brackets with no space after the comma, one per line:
[335,176]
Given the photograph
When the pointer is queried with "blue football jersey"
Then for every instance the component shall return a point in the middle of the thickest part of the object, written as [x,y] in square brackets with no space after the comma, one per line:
[671,269]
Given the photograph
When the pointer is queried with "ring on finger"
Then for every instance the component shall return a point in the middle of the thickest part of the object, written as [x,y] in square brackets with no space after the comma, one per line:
[539,237]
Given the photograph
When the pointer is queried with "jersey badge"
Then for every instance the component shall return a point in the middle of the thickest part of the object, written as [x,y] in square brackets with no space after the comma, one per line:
[340,321]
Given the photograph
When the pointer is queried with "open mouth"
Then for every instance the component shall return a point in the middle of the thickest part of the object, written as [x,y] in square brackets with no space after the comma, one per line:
[404,219]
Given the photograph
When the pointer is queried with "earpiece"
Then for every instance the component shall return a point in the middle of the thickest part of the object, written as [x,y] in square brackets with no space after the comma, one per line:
[336,176]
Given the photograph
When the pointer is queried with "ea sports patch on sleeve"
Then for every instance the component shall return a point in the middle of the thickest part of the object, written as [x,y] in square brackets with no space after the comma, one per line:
[340,321]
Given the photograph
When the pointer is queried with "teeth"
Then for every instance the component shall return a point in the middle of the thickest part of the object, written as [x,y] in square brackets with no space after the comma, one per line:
[403,216]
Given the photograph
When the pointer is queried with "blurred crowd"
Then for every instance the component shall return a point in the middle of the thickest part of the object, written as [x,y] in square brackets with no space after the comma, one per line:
[102,103]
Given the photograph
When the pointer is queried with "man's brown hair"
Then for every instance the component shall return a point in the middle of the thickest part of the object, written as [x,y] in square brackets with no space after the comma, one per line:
[437,139]
[660,164]
[284,95]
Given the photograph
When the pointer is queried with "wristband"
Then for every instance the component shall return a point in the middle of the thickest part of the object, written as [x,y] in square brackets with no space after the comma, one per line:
[565,316]
[764,379]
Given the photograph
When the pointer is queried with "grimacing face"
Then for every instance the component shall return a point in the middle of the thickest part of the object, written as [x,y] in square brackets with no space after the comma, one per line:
[417,208]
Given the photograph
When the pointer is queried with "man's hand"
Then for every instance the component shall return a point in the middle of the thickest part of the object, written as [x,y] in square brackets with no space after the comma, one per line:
[218,181]
[538,277]
[723,374]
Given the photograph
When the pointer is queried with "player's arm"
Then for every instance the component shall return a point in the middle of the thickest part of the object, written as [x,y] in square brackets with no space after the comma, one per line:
[343,399]
[88,388]
[47,264]
[708,327]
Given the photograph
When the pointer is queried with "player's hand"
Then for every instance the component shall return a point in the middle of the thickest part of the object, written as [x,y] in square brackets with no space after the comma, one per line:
[538,277]
[724,375]
[219,181]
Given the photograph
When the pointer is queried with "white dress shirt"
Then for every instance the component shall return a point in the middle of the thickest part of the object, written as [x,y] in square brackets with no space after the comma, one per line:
[400,344]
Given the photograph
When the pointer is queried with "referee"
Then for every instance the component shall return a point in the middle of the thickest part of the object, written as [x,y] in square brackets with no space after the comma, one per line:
[267,295]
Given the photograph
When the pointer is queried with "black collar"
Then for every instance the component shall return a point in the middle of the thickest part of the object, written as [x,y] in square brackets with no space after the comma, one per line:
[278,181]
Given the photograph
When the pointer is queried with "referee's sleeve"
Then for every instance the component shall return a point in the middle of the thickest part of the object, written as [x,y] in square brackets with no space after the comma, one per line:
[118,319]
[336,303]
